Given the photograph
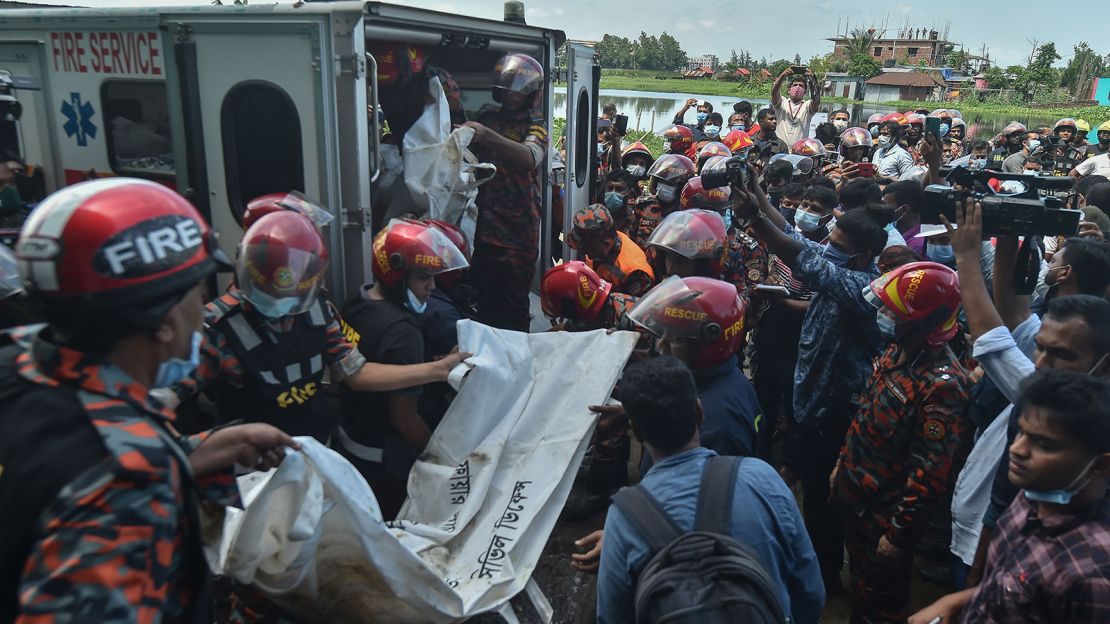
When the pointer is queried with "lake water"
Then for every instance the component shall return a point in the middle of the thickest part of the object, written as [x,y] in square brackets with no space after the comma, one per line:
[649,110]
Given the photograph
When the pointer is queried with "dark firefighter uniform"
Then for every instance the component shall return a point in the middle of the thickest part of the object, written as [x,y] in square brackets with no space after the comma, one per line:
[271,371]
[506,240]
[613,443]
[902,450]
[99,501]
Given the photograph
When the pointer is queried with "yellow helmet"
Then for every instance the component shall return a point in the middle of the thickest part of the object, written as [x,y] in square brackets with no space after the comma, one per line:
[1105,127]
[1082,126]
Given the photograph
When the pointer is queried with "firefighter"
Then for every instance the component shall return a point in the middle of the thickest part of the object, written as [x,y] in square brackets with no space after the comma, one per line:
[270,338]
[908,439]
[677,139]
[383,432]
[690,243]
[576,298]
[668,174]
[100,493]
[700,321]
[506,243]
[610,252]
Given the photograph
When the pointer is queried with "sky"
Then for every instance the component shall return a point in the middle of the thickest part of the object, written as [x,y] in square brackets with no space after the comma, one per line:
[718,26]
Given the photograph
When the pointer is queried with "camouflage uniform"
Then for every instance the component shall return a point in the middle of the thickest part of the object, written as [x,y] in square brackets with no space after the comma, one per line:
[901,453]
[626,266]
[506,242]
[107,530]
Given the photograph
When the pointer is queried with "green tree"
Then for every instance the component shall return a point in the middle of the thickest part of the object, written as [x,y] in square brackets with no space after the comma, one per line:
[647,52]
[671,55]
[957,59]
[864,65]
[1039,74]
[996,78]
[615,52]
[733,62]
[1084,65]
[778,67]
[859,42]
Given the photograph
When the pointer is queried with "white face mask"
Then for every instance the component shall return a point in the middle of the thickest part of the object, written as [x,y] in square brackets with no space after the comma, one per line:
[414,303]
[884,140]
[841,125]
[665,193]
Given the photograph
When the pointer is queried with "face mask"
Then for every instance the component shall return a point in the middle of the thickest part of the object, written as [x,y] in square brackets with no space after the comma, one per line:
[614,201]
[807,221]
[836,257]
[884,140]
[976,163]
[1064,496]
[177,369]
[274,307]
[841,125]
[712,131]
[414,303]
[1051,278]
[741,127]
[796,92]
[944,128]
[886,325]
[665,193]
[702,117]
[1033,145]
[874,132]
[942,254]
[637,171]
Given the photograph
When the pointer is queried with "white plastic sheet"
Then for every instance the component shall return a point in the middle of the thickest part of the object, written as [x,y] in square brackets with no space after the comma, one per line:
[441,173]
[483,498]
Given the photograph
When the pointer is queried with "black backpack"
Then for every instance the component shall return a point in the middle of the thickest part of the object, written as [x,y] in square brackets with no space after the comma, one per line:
[705,576]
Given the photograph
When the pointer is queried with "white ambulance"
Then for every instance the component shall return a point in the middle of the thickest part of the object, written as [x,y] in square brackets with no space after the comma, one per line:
[226,103]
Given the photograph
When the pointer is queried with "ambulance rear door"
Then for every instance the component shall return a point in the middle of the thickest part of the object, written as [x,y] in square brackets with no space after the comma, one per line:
[256,114]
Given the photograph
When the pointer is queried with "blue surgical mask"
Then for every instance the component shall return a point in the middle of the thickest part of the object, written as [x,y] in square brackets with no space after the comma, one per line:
[884,140]
[614,201]
[177,369]
[1033,145]
[712,131]
[886,325]
[807,221]
[702,117]
[837,257]
[942,254]
[1064,496]
[874,132]
[274,307]
[665,193]
[741,127]
[414,303]
[944,128]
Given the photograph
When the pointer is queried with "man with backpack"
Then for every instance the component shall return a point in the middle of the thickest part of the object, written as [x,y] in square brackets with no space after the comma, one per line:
[733,550]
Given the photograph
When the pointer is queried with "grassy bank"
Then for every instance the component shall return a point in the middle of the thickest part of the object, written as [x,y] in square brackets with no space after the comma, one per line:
[663,83]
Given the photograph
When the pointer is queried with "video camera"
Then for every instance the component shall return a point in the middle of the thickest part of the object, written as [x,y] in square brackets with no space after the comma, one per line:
[729,172]
[1016,209]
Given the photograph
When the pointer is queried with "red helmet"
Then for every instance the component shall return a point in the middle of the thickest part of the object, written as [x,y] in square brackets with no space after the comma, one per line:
[673,169]
[898,117]
[925,293]
[573,291]
[854,137]
[694,195]
[406,245]
[738,141]
[637,148]
[701,309]
[113,244]
[448,279]
[809,147]
[518,73]
[397,61]
[712,149]
[941,113]
[277,202]
[915,118]
[711,163]
[695,234]
[281,264]
[875,118]
[677,139]
[958,121]
[1012,127]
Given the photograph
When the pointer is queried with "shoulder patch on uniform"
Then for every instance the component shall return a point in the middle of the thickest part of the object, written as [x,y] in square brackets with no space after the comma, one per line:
[933,429]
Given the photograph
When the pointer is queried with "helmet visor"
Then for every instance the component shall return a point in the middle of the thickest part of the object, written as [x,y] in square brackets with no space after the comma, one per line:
[670,311]
[278,280]
[693,234]
[310,208]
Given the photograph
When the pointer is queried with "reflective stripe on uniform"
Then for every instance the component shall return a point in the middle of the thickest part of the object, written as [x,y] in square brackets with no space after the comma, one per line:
[316,364]
[293,372]
[361,451]
[316,316]
[244,332]
[268,377]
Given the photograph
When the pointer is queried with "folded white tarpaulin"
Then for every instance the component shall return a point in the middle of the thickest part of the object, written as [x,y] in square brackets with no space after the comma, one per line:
[483,498]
